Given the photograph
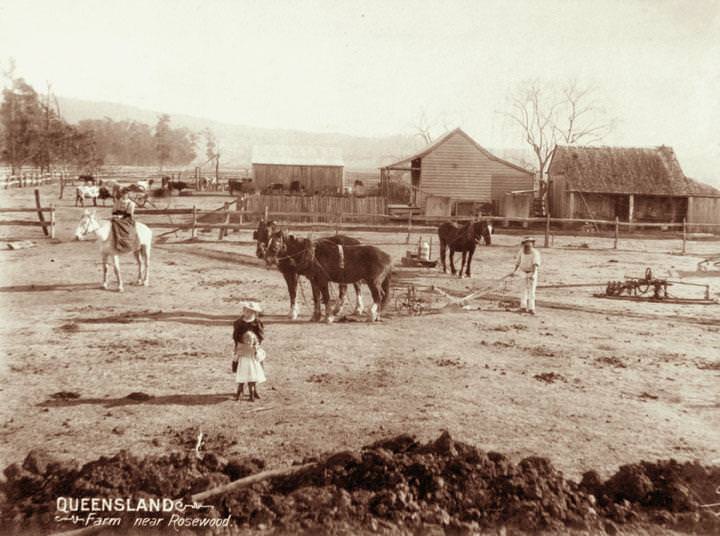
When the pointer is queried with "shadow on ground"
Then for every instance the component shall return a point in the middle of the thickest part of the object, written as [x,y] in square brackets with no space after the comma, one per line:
[142,398]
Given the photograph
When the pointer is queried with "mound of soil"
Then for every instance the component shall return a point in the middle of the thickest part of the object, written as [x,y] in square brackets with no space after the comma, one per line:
[393,486]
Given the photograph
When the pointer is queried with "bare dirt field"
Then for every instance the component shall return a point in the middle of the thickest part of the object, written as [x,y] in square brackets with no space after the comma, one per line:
[589,383]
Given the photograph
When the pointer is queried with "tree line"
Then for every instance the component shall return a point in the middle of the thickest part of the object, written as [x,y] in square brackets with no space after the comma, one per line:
[33,134]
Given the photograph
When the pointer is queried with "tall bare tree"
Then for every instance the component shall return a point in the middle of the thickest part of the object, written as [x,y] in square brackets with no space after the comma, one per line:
[546,117]
[426,127]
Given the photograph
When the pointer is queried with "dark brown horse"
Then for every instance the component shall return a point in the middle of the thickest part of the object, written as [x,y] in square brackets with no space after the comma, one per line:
[464,239]
[262,237]
[263,234]
[332,259]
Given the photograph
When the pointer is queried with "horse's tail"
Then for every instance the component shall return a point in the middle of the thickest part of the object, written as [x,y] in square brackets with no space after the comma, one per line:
[386,289]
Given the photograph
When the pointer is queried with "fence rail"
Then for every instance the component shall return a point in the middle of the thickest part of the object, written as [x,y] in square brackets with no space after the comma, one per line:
[225,219]
[48,227]
[33,179]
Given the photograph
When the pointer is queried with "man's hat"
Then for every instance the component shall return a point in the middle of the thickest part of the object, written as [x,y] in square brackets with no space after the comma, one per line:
[252,306]
[528,240]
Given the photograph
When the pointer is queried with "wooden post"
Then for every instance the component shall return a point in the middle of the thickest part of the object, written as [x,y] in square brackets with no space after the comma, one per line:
[684,249]
[193,230]
[52,221]
[40,214]
[339,222]
[197,178]
[265,216]
[631,209]
[547,230]
[239,208]
[409,230]
[617,232]
[62,186]
[226,221]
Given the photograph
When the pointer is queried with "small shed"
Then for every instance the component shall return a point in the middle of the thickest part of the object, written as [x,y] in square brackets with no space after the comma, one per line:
[307,169]
[632,184]
[461,172]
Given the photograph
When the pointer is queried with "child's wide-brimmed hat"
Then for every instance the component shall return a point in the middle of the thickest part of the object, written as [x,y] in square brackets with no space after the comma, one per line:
[252,306]
[528,240]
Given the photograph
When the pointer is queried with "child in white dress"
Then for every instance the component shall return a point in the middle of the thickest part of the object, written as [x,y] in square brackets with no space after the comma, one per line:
[247,334]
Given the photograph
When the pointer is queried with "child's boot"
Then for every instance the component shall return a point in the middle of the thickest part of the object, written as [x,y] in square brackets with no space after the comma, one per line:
[239,392]
[251,388]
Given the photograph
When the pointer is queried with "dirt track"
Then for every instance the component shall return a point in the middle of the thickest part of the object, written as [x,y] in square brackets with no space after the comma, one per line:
[586,386]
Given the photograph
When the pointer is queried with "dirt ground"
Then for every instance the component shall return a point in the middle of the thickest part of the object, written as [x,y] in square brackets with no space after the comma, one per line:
[590,383]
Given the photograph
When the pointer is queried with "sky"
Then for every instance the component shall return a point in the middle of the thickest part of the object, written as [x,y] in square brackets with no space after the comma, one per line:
[372,68]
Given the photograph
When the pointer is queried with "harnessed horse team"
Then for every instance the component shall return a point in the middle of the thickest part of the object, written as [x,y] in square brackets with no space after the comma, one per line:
[345,260]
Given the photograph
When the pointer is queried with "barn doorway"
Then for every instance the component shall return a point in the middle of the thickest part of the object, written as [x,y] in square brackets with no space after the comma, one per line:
[415,180]
[622,207]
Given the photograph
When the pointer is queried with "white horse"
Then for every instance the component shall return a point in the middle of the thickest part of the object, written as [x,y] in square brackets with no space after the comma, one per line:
[89,224]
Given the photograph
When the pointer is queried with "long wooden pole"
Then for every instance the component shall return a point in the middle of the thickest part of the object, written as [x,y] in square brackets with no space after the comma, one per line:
[547,230]
[247,481]
[684,232]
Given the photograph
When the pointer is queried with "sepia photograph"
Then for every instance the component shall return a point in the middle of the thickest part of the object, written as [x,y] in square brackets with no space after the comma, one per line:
[359,267]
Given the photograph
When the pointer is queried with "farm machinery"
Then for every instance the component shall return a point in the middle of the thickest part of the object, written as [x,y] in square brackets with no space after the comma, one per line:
[650,288]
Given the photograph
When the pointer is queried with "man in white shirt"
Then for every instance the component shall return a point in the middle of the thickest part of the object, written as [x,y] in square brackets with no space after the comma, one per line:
[528,261]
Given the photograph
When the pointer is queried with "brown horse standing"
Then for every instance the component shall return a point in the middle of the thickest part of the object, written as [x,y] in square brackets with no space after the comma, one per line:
[324,261]
[287,266]
[463,239]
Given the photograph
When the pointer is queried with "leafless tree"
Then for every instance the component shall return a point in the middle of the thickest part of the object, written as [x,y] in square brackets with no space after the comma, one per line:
[547,117]
[425,127]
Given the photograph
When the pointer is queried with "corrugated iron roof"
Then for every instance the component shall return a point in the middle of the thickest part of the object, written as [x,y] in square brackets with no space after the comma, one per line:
[297,155]
[623,170]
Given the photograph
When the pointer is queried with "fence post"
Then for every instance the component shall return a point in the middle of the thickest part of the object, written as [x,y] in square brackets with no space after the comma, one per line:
[52,221]
[62,186]
[617,232]
[226,221]
[193,230]
[684,231]
[265,215]
[409,230]
[547,229]
[40,214]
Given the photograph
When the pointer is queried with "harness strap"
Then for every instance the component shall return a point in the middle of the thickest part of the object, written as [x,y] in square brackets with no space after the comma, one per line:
[342,257]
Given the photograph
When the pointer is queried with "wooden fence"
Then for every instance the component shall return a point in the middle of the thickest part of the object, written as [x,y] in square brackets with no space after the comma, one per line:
[226,219]
[27,179]
[48,227]
[317,206]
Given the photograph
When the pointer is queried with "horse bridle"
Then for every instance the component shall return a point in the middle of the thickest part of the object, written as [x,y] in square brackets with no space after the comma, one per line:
[280,237]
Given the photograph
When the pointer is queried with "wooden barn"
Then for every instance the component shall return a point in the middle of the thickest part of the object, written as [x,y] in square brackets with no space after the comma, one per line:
[456,176]
[298,168]
[632,184]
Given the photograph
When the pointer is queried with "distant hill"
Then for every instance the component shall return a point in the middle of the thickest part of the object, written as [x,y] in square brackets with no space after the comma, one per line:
[236,141]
